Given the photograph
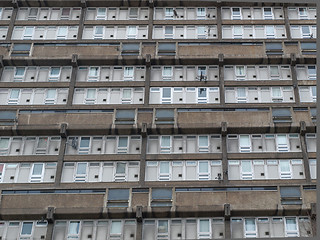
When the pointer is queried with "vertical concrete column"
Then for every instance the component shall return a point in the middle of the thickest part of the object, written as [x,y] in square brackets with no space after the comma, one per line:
[219,22]
[143,154]
[139,223]
[49,235]
[286,21]
[63,134]
[82,17]
[150,23]
[294,78]
[74,62]
[12,19]
[1,65]
[221,79]
[227,225]
[224,152]
[147,80]
[304,151]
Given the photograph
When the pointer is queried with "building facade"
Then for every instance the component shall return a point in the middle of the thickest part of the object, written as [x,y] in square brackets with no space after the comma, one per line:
[156,119]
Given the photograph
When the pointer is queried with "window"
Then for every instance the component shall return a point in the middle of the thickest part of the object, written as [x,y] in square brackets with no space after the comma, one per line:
[250,228]
[168,13]
[308,48]
[168,32]
[267,13]
[204,229]
[274,48]
[237,32]
[118,198]
[285,170]
[28,33]
[62,33]
[74,229]
[281,115]
[276,94]
[131,32]
[116,228]
[312,73]
[101,14]
[130,49]
[313,112]
[166,49]
[37,172]
[54,74]
[14,97]
[236,14]
[290,195]
[81,172]
[93,74]
[125,117]
[161,197]
[241,95]
[19,74]
[201,13]
[26,229]
[19,50]
[164,116]
[204,173]
[123,145]
[201,30]
[269,31]
[84,145]
[128,74]
[166,73]
[163,229]
[306,33]
[133,13]
[98,32]
[7,118]
[246,170]
[303,14]
[240,73]
[291,227]
[50,96]
[164,171]
[274,73]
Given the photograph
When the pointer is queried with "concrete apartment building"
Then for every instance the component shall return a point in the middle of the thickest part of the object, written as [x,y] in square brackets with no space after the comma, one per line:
[157,120]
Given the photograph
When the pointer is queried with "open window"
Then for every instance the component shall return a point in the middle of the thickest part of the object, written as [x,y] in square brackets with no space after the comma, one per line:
[281,115]
[161,197]
[125,116]
[290,196]
[118,198]
[164,116]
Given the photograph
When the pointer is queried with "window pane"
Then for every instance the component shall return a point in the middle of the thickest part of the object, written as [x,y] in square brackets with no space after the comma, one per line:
[276,92]
[51,93]
[115,227]
[37,169]
[62,31]
[167,71]
[101,11]
[164,167]
[281,139]
[274,71]
[85,141]
[250,225]
[204,225]
[132,30]
[26,228]
[166,93]
[99,30]
[4,143]
[55,71]
[168,30]
[118,194]
[291,224]
[123,142]
[246,166]
[203,141]
[19,71]
[284,165]
[202,92]
[121,168]
[162,193]
[241,92]
[240,71]
[244,140]
[128,71]
[126,93]
[162,226]
[203,167]
[74,227]
[14,93]
[91,93]
[82,168]
[165,141]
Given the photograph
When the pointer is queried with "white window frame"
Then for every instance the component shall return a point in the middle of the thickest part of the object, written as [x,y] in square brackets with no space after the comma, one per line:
[165,149]
[236,16]
[80,177]
[120,149]
[291,233]
[128,73]
[36,177]
[204,235]
[164,176]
